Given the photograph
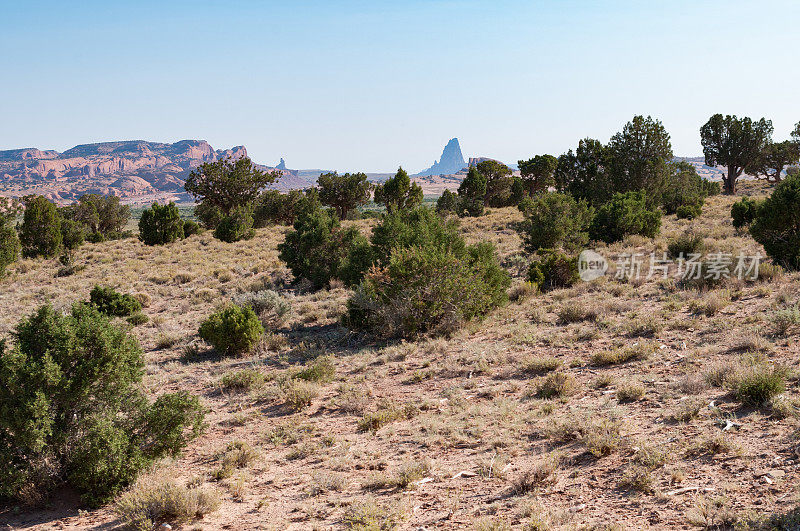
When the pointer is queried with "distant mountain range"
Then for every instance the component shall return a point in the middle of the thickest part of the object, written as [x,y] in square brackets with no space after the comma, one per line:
[140,172]
[137,171]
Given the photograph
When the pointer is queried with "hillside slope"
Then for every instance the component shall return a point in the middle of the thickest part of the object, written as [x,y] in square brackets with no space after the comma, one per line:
[654,441]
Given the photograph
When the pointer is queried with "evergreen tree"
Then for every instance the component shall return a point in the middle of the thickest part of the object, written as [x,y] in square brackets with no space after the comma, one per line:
[160,224]
[472,192]
[398,192]
[40,232]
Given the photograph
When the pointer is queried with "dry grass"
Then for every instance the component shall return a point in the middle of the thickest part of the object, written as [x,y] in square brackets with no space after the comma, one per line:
[297,429]
[157,498]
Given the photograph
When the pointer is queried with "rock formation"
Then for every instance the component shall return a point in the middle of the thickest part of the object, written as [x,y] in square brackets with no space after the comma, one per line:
[452,161]
[136,170]
[281,165]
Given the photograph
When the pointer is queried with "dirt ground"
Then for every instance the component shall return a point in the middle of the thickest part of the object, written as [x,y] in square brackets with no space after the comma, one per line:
[643,431]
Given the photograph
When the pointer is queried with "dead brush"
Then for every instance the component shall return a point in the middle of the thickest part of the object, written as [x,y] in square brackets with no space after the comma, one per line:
[157,498]
[353,399]
[602,438]
[237,455]
[712,513]
[711,303]
[720,373]
[539,364]
[563,431]
[643,327]
[577,312]
[387,413]
[718,444]
[630,391]
[651,456]
[403,478]
[637,478]
[542,473]
[687,410]
[556,385]
[637,352]
[690,384]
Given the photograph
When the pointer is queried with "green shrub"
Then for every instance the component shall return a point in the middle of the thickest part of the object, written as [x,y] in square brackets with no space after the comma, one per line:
[757,385]
[420,227]
[344,193]
[448,203]
[72,412]
[233,330]
[319,250]
[137,319]
[40,232]
[112,303]
[685,192]
[73,235]
[711,187]
[743,212]
[777,224]
[769,272]
[554,221]
[684,245]
[638,352]
[300,394]
[785,319]
[242,380]
[688,211]
[630,391]
[320,370]
[623,215]
[190,228]
[385,414]
[9,247]
[160,224]
[429,289]
[236,226]
[554,270]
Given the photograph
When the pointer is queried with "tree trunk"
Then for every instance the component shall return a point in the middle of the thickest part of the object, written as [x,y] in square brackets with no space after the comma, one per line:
[730,181]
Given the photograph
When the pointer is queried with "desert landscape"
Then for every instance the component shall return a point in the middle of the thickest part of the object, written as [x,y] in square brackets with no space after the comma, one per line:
[652,439]
[399,266]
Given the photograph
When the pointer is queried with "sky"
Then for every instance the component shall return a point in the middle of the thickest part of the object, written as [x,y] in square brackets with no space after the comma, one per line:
[372,85]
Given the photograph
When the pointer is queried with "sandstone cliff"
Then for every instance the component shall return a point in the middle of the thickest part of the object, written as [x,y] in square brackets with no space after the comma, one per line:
[136,170]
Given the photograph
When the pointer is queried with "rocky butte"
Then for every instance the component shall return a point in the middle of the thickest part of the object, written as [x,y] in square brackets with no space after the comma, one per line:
[452,161]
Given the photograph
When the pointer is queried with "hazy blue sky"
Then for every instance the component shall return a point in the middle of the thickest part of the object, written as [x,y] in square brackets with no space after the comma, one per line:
[369,85]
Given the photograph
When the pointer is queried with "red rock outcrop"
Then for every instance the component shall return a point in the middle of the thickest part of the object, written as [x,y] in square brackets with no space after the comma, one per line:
[136,170]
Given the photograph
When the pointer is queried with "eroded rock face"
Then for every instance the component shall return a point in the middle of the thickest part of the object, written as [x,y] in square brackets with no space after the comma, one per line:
[452,161]
[135,170]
